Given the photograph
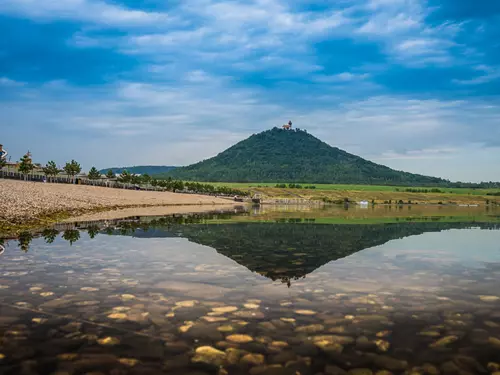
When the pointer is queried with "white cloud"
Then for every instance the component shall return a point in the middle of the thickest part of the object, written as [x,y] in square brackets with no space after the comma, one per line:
[488,74]
[94,11]
[7,82]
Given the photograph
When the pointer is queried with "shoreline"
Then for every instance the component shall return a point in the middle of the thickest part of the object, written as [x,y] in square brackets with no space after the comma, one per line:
[28,205]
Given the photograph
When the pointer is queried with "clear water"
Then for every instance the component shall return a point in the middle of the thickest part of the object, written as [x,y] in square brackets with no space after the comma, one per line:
[224,297]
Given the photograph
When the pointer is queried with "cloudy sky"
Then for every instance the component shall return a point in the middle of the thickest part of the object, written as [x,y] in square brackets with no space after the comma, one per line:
[413,84]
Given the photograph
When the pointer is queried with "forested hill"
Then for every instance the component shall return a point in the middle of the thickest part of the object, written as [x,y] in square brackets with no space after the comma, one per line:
[278,155]
[140,169]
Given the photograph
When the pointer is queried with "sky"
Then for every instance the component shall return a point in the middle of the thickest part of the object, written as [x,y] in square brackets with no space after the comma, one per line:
[412,84]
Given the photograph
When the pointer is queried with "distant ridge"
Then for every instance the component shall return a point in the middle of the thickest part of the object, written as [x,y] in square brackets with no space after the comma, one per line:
[280,155]
[140,169]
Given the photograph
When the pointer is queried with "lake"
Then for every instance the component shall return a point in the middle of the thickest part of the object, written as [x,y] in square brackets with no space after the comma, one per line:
[331,291]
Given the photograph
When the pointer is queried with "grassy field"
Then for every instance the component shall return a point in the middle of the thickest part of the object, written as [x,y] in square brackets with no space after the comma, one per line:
[375,193]
[374,188]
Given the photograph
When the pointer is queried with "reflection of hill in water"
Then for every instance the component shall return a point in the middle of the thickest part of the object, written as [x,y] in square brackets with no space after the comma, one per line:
[289,251]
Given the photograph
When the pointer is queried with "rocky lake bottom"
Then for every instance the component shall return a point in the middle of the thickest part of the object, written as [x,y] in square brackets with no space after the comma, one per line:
[295,297]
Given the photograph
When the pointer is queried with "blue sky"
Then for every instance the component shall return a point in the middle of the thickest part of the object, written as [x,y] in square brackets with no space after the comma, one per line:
[413,84]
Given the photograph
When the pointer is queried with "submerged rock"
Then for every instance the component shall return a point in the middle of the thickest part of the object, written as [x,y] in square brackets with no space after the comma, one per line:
[240,339]
[253,359]
[209,355]
[444,341]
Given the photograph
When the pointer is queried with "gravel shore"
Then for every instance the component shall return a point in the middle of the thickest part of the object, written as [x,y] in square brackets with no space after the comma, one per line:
[28,202]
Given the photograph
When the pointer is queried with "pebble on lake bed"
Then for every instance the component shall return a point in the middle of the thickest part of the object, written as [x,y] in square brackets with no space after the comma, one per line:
[88,289]
[224,309]
[127,297]
[489,298]
[226,328]
[444,341]
[305,312]
[239,339]
[108,341]
[186,303]
[251,306]
[210,355]
[253,359]
[47,294]
[130,362]
[117,316]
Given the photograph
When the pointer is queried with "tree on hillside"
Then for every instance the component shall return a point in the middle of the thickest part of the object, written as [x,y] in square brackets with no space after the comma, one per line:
[94,174]
[26,165]
[146,178]
[72,168]
[51,170]
[125,177]
[110,174]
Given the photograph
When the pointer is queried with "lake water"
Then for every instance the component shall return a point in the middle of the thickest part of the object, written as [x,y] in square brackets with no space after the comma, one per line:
[271,294]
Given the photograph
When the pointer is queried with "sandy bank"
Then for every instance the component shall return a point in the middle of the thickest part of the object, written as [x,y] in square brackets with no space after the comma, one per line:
[28,202]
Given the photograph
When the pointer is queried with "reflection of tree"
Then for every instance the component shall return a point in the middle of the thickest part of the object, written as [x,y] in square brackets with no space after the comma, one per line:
[93,231]
[25,239]
[71,235]
[50,235]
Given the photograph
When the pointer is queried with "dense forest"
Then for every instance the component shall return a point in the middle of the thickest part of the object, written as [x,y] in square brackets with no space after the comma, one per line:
[140,169]
[282,156]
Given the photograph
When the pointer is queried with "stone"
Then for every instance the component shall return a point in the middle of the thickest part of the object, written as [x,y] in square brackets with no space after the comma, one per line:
[360,371]
[288,320]
[129,362]
[251,306]
[494,341]
[493,367]
[447,340]
[334,370]
[47,294]
[240,339]
[186,303]
[393,364]
[430,369]
[176,347]
[249,314]
[225,309]
[382,345]
[89,289]
[214,319]
[67,357]
[305,312]
[108,341]
[450,368]
[313,328]
[127,297]
[225,329]
[209,355]
[343,340]
[233,355]
[430,333]
[118,316]
[203,331]
[489,298]
[253,359]
[383,372]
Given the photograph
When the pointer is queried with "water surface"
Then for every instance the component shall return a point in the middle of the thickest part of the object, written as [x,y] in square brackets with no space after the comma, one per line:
[230,295]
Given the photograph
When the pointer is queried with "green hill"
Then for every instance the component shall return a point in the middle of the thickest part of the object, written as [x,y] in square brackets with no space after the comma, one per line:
[278,155]
[140,169]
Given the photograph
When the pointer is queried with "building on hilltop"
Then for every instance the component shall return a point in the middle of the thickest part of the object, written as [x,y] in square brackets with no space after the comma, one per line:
[287,126]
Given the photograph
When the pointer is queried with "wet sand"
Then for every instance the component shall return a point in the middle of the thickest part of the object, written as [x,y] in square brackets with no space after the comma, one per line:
[29,202]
